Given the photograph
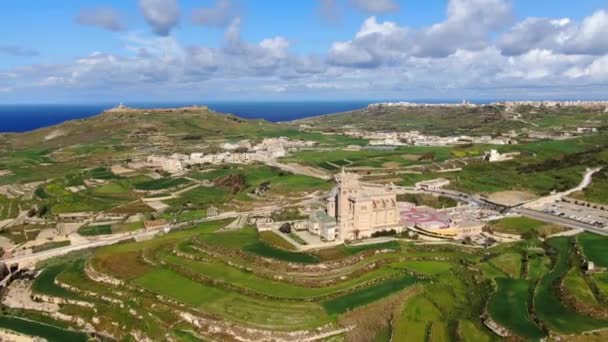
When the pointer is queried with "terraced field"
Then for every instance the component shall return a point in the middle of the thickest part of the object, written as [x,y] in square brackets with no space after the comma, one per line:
[208,283]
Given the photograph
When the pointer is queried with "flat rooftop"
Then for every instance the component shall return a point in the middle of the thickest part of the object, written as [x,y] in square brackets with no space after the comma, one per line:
[425,216]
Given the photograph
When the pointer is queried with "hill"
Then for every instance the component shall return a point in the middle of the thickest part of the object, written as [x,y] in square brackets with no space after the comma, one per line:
[139,126]
[456,120]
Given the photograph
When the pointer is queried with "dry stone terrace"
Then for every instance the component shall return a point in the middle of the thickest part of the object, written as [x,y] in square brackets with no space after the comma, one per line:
[180,235]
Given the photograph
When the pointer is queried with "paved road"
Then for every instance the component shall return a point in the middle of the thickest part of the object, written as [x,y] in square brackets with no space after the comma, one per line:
[539,203]
[562,221]
[33,258]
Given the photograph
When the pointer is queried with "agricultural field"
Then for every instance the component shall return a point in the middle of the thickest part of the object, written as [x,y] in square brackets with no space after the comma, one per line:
[524,225]
[9,208]
[574,283]
[402,156]
[549,308]
[253,281]
[509,306]
[594,247]
[95,230]
[211,281]
[160,184]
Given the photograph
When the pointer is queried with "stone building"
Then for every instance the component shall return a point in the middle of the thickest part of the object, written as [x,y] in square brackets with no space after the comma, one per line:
[360,210]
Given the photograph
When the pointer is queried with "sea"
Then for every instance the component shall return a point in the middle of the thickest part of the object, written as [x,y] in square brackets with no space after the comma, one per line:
[26,117]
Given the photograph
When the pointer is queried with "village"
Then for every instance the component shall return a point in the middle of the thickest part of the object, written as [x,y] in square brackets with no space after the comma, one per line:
[360,204]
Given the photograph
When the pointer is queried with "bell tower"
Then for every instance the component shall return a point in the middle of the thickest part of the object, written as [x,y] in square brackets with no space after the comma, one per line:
[348,185]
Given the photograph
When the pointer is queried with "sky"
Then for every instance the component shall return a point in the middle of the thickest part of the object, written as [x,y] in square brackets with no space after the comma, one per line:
[91,51]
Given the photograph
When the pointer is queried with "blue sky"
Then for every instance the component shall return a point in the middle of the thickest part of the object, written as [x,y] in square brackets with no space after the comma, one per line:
[173,50]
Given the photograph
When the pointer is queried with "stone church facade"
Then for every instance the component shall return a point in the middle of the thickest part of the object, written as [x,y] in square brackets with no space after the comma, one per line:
[360,210]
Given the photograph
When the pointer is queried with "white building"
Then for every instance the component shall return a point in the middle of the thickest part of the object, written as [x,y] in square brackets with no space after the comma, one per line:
[432,184]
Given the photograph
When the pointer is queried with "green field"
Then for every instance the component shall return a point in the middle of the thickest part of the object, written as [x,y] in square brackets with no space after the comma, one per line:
[45,283]
[509,307]
[509,263]
[9,208]
[231,305]
[473,333]
[49,332]
[601,280]
[426,267]
[576,286]
[417,320]
[549,308]
[201,197]
[276,240]
[522,225]
[95,230]
[50,245]
[218,271]
[594,247]
[248,240]
[279,182]
[161,184]
[367,295]
[537,266]
[402,156]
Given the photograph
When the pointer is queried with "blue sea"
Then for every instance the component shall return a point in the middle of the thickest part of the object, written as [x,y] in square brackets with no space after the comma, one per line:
[26,117]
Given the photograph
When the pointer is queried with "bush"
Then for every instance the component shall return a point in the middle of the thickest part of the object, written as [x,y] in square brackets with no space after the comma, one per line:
[382,233]
[285,228]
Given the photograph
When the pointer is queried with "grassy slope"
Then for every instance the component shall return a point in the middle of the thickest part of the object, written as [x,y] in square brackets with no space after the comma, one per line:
[549,308]
[594,247]
[509,307]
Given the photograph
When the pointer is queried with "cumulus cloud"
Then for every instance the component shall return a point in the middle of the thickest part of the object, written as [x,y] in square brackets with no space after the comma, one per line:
[375,43]
[161,15]
[103,17]
[469,25]
[376,6]
[463,55]
[18,51]
[560,35]
[219,15]
[263,58]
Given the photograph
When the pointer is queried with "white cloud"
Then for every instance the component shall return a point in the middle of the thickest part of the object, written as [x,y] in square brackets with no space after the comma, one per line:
[469,25]
[162,15]
[463,55]
[590,37]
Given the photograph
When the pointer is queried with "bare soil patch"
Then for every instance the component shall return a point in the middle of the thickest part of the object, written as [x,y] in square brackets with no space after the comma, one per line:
[511,197]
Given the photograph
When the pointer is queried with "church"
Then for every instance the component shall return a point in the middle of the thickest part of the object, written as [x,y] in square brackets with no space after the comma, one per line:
[359,211]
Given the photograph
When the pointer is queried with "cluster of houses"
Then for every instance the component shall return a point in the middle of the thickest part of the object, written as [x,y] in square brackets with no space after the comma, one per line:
[415,138]
[553,104]
[242,152]
[508,104]
[464,103]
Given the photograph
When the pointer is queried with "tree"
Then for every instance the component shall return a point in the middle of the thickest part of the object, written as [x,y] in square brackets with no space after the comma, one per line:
[285,228]
[530,235]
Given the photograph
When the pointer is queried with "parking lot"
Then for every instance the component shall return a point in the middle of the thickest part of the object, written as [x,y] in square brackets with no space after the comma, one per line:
[595,217]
